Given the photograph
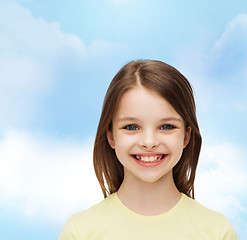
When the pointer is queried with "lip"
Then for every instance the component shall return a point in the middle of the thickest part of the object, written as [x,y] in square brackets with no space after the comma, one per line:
[149,164]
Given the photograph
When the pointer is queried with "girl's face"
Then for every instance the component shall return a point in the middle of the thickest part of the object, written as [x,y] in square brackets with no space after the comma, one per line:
[148,135]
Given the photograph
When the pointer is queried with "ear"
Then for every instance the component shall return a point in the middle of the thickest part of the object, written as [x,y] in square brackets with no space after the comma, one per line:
[110,138]
[187,137]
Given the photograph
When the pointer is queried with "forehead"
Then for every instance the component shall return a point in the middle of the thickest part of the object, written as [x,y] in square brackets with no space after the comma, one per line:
[141,102]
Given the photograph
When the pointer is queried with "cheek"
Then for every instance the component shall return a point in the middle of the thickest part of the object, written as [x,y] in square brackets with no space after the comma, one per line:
[123,140]
[123,144]
[176,144]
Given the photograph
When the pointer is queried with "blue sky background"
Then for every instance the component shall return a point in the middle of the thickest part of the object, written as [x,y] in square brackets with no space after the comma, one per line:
[56,61]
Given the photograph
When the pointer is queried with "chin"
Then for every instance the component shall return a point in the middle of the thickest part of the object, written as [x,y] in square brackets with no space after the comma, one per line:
[151,179]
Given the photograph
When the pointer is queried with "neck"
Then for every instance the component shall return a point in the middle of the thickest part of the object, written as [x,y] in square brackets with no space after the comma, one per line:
[149,198]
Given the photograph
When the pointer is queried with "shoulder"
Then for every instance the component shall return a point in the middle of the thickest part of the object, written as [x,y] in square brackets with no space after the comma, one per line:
[93,213]
[197,209]
[79,225]
[208,220]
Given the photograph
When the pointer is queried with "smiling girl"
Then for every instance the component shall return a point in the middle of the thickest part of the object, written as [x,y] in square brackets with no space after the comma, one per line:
[146,150]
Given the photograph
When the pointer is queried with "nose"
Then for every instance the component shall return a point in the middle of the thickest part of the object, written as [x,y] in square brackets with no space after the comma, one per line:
[149,140]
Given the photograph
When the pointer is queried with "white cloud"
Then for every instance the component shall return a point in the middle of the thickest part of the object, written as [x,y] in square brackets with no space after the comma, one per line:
[235,32]
[229,54]
[47,179]
[26,34]
[225,164]
[221,181]
[34,56]
[218,73]
[30,51]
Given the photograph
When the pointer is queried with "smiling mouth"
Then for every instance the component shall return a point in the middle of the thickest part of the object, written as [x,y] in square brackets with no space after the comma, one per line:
[149,159]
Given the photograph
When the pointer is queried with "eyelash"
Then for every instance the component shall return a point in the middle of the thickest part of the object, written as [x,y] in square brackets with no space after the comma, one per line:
[167,127]
[163,127]
[129,126]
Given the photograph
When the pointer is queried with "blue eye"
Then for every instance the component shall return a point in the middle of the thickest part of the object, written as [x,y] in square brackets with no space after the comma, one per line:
[131,127]
[166,127]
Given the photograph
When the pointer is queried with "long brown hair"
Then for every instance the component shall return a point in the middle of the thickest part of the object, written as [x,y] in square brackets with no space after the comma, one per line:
[175,88]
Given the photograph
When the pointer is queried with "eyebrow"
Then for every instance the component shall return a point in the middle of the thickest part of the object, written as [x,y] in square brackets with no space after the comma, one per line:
[126,119]
[171,119]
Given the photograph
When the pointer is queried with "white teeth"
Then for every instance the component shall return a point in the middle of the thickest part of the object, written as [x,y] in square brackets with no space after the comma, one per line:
[149,159]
